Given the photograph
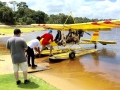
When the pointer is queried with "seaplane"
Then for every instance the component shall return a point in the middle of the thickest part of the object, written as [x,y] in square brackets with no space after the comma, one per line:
[96,27]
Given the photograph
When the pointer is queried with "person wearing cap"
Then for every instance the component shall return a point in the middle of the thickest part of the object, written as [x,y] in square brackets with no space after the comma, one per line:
[17,47]
[33,44]
[47,38]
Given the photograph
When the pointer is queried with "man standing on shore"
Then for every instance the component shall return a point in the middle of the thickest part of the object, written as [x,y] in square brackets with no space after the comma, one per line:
[17,47]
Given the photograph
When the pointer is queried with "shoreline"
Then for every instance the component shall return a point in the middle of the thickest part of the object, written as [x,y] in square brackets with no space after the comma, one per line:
[10,35]
[7,35]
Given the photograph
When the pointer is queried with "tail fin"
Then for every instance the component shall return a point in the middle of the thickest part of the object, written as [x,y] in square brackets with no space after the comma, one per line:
[95,36]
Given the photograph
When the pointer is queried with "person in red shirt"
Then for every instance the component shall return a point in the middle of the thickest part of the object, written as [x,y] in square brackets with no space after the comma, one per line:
[47,38]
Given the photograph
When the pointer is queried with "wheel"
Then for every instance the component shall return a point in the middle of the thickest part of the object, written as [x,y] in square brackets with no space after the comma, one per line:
[95,46]
[72,55]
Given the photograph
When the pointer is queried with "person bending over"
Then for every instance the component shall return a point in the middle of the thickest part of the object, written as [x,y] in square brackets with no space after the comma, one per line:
[33,44]
[46,39]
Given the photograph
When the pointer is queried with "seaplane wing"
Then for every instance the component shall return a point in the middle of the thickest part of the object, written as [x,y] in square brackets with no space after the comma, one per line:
[90,26]
[83,26]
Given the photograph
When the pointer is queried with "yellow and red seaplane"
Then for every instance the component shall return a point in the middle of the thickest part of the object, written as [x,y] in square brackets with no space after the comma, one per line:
[96,27]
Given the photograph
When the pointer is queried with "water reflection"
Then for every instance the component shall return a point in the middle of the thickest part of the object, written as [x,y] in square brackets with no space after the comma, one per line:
[95,58]
[103,52]
[107,66]
[107,53]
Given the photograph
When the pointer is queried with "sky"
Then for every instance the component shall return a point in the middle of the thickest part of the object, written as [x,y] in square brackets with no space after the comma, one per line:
[101,9]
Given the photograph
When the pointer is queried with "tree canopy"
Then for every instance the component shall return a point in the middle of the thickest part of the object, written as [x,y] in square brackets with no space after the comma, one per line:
[21,14]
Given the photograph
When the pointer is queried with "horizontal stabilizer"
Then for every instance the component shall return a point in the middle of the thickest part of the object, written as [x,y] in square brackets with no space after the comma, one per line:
[104,42]
[87,41]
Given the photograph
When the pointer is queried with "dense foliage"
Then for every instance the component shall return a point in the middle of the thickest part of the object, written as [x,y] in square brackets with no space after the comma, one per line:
[21,14]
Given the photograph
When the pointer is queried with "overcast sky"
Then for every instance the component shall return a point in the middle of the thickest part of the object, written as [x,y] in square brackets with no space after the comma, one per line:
[102,9]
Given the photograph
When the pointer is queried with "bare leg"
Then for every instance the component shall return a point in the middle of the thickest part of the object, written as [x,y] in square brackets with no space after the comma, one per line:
[42,48]
[51,50]
[25,75]
[16,76]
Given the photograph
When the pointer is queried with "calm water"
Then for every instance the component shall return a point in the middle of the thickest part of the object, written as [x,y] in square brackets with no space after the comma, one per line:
[98,71]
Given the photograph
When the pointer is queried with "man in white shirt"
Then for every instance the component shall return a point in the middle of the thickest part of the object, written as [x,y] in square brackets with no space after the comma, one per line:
[35,43]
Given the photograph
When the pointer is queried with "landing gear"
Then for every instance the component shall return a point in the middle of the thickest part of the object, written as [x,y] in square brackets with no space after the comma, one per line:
[72,55]
[95,46]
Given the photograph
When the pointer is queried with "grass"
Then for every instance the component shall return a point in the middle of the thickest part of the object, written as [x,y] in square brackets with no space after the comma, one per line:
[7,82]
[10,30]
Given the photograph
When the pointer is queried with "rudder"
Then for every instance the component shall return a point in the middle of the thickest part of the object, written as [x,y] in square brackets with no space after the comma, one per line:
[95,36]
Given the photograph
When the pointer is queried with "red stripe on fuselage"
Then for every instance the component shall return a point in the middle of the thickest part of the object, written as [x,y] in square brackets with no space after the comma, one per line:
[95,34]
[44,25]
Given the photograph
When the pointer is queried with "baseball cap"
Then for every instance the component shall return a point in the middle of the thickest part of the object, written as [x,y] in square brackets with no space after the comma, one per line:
[17,31]
[50,31]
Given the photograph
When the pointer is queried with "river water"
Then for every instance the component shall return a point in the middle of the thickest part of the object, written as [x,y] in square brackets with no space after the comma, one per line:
[97,71]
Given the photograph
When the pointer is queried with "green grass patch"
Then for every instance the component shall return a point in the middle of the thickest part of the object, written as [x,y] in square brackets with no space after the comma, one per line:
[10,30]
[7,82]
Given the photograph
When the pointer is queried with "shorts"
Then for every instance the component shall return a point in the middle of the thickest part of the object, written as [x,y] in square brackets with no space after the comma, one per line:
[49,45]
[22,66]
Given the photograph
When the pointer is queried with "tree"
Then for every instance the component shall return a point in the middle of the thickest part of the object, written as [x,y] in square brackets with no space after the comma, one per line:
[22,5]
[14,3]
[6,15]
[39,17]
[3,4]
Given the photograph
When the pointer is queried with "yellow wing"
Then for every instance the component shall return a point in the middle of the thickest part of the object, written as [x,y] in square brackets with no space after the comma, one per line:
[90,26]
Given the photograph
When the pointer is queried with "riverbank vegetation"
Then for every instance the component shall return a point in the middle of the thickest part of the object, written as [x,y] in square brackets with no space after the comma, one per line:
[21,14]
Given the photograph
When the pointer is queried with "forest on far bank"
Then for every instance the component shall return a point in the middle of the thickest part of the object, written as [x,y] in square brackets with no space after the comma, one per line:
[23,15]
